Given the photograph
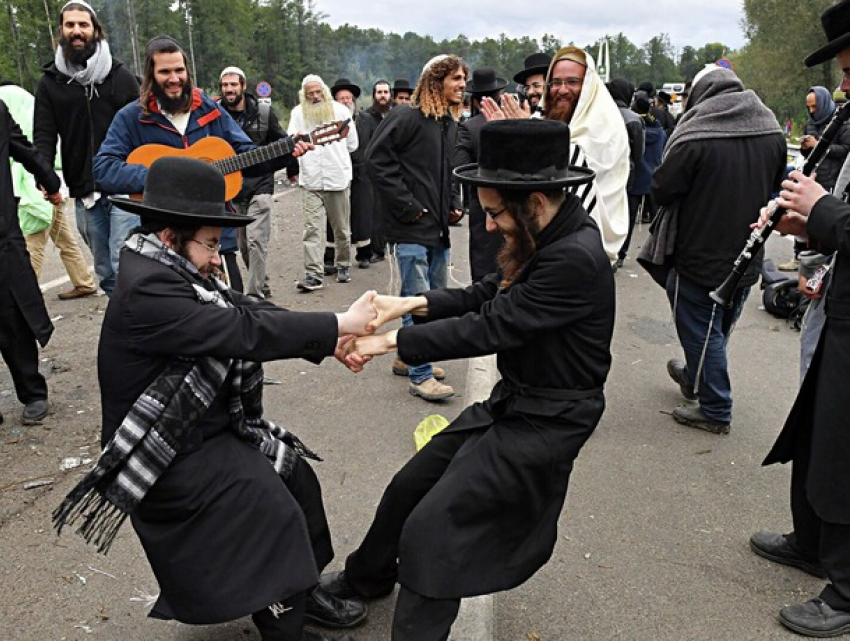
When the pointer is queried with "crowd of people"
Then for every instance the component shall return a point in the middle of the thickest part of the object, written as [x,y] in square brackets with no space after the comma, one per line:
[552,180]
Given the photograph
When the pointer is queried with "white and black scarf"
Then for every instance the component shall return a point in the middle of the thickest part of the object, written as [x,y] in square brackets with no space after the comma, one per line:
[92,73]
[152,433]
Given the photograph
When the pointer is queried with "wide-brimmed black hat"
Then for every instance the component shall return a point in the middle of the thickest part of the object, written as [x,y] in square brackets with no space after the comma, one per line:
[183,192]
[836,25]
[402,84]
[345,83]
[534,64]
[484,80]
[504,161]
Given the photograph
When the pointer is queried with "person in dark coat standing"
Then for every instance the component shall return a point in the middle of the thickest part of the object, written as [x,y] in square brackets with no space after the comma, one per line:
[365,199]
[23,317]
[483,246]
[224,502]
[475,511]
[815,438]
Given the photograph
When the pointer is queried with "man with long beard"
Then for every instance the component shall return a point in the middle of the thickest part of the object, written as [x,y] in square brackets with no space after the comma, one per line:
[80,92]
[410,161]
[325,176]
[171,112]
[370,118]
[475,511]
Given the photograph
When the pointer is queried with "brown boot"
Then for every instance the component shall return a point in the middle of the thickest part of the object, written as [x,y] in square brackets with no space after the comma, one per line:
[431,390]
[400,369]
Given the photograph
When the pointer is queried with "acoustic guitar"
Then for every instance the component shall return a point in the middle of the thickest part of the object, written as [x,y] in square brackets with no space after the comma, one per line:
[218,152]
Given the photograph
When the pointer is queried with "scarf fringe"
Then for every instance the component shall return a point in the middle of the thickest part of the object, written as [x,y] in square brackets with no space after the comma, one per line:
[101,519]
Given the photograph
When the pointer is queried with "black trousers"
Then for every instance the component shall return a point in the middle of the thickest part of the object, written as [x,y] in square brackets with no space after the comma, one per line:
[234,276]
[20,351]
[829,543]
[282,621]
[419,618]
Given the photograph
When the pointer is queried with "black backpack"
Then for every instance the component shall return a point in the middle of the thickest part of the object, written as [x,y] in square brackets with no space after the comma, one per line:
[781,296]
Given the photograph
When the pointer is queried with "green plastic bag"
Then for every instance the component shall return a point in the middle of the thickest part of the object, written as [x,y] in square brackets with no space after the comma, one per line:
[429,426]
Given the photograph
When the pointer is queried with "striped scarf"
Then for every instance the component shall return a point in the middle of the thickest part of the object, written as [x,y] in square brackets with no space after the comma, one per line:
[152,433]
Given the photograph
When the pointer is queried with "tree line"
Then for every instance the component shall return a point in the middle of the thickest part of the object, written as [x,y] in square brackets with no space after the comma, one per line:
[280,41]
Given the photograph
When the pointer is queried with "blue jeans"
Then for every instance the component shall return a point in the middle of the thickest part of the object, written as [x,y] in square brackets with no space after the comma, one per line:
[693,315]
[104,229]
[420,269]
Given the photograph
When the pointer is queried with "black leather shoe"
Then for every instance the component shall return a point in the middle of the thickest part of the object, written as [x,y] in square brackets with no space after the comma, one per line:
[315,636]
[676,371]
[777,548]
[34,412]
[815,618]
[336,584]
[332,611]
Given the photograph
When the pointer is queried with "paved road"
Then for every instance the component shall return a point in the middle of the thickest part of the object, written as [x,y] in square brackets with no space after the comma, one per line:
[653,537]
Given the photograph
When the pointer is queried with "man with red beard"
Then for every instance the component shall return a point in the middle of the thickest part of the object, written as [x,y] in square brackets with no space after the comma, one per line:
[475,511]
[171,112]
[80,92]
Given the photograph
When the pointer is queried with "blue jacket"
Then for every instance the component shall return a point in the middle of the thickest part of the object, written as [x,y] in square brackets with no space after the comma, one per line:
[655,139]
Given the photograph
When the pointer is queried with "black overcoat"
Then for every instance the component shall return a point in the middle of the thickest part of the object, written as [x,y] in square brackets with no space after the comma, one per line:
[18,284]
[363,205]
[224,535]
[819,416]
[490,521]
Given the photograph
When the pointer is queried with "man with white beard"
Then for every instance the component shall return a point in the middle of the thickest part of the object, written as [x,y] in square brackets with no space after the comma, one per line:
[326,179]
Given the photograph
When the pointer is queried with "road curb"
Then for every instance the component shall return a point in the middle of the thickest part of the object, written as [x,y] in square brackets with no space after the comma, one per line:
[475,621]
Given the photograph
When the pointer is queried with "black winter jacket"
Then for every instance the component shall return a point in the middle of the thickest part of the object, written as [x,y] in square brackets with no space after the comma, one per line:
[65,110]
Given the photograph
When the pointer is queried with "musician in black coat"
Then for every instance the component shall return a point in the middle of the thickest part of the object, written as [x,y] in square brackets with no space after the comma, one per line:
[23,317]
[476,510]
[816,436]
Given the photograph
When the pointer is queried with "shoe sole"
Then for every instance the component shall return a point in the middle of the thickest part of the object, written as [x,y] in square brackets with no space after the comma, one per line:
[309,288]
[430,397]
[398,371]
[686,391]
[34,421]
[802,565]
[809,632]
[337,626]
[718,428]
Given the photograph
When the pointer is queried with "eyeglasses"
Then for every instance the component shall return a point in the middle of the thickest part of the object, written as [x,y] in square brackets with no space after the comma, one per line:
[213,249]
[537,86]
[571,83]
[495,214]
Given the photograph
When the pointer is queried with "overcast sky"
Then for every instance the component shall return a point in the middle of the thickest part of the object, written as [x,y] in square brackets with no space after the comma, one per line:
[687,22]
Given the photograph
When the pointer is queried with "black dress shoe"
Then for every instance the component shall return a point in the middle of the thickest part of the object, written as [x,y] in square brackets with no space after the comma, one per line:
[34,412]
[333,611]
[315,636]
[335,583]
[377,258]
[815,618]
[777,548]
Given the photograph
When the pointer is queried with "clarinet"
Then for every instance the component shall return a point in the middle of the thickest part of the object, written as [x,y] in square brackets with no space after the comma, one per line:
[723,294]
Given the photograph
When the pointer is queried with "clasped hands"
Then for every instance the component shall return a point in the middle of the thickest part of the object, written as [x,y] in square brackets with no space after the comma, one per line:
[358,341]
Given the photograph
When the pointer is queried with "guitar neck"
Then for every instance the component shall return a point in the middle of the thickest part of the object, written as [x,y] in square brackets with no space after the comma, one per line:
[259,155]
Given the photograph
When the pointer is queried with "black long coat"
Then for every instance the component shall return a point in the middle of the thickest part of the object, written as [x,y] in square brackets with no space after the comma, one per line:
[490,521]
[363,201]
[224,535]
[18,284]
[818,418]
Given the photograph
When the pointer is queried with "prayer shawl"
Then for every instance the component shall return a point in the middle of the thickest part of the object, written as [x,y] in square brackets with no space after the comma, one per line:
[152,433]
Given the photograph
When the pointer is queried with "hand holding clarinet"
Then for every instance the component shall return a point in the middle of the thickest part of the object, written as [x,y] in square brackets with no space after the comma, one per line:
[798,196]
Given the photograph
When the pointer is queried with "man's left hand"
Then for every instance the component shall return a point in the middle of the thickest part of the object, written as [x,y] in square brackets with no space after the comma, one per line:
[301,148]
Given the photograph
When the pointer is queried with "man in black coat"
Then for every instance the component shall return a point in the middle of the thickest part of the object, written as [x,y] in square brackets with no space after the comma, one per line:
[80,92]
[368,122]
[815,437]
[475,511]
[23,317]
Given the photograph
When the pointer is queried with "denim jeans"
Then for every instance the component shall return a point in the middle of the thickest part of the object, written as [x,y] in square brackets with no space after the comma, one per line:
[420,269]
[692,308]
[104,229]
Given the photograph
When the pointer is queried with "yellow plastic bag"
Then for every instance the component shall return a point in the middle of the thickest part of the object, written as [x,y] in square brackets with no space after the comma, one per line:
[429,426]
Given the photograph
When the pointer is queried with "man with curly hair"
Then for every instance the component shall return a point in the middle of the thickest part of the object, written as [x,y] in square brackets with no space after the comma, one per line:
[410,162]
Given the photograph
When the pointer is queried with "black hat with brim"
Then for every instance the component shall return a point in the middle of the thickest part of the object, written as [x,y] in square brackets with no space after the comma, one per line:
[183,192]
[402,84]
[484,80]
[505,162]
[536,63]
[836,25]
[345,83]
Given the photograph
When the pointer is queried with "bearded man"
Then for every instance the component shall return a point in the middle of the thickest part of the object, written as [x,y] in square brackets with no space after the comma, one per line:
[325,176]
[77,97]
[410,161]
[382,102]
[475,511]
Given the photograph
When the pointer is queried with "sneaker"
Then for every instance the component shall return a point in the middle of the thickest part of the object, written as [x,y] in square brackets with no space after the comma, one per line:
[77,292]
[343,275]
[791,266]
[676,370]
[777,548]
[693,416]
[400,369]
[311,282]
[431,390]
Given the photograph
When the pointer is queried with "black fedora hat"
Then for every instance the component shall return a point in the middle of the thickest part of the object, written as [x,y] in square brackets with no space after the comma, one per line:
[185,192]
[534,64]
[345,83]
[504,161]
[484,80]
[402,84]
[836,25]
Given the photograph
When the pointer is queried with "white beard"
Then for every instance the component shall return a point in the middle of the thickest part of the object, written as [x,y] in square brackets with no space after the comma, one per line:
[317,114]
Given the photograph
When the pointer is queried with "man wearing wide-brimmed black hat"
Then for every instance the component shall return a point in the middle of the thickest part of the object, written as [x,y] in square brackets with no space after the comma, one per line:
[475,511]
[815,437]
[402,91]
[226,506]
[532,78]
[483,246]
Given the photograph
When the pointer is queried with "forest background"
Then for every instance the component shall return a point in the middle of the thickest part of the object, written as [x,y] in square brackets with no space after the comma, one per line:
[280,41]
